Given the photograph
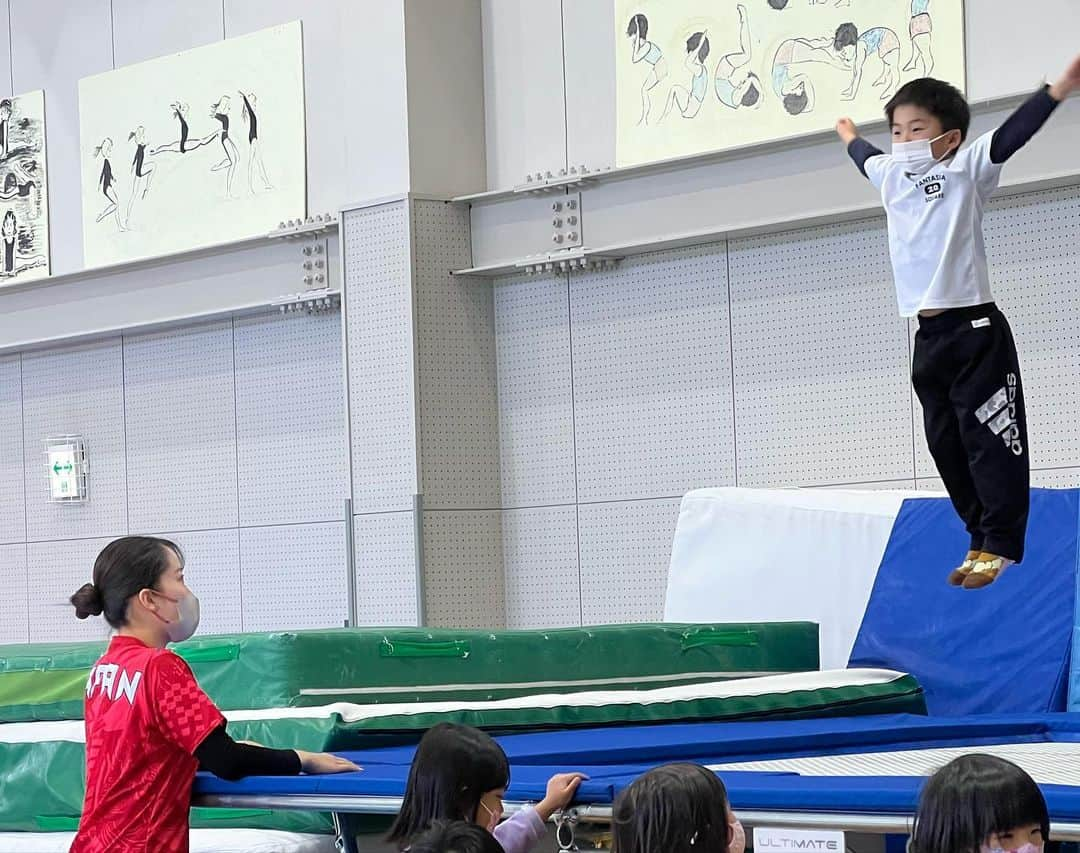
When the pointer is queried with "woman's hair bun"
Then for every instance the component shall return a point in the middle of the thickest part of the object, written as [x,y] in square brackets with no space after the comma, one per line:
[87,601]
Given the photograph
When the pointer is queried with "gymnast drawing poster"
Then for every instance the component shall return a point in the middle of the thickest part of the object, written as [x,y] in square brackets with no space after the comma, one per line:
[194,149]
[24,198]
[694,76]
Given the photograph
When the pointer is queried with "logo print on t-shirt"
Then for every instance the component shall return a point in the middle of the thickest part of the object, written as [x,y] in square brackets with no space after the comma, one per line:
[933,186]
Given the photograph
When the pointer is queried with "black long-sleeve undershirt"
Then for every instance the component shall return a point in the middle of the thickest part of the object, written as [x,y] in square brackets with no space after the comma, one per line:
[227,759]
[1013,134]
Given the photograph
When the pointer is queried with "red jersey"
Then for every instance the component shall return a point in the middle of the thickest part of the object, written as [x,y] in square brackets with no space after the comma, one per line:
[145,717]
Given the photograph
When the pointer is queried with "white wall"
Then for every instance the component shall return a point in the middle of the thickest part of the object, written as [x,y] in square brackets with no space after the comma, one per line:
[356,120]
[227,437]
[549,89]
[768,361]
[550,73]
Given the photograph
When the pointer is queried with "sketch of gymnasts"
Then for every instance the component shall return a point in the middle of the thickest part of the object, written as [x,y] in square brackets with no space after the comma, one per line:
[921,29]
[220,111]
[794,87]
[643,50]
[14,261]
[106,182]
[885,44]
[736,85]
[255,161]
[689,100]
[5,126]
[184,143]
[22,182]
[141,173]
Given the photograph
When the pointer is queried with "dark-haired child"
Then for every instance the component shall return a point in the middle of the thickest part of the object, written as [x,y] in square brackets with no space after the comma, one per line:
[980,804]
[965,369]
[461,773]
[456,836]
[676,808]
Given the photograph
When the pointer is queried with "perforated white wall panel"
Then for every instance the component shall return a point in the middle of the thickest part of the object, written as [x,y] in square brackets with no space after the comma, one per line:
[883,486]
[290,420]
[12,494]
[14,612]
[294,577]
[930,484]
[1033,242]
[181,429]
[463,577]
[77,391]
[625,554]
[381,365]
[386,569]
[212,571]
[1059,478]
[54,571]
[821,359]
[455,327]
[652,376]
[536,398]
[540,559]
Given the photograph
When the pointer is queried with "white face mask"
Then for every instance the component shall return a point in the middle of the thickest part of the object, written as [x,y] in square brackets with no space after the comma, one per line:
[1027,848]
[187,617]
[917,155]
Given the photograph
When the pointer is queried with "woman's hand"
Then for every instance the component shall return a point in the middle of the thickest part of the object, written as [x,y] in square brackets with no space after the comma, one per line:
[321,763]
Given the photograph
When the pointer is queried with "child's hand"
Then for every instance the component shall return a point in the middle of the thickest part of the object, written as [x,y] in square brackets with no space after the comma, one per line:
[846,130]
[1069,82]
[560,791]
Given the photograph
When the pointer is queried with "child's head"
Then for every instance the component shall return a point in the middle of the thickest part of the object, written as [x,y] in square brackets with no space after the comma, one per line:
[844,40]
[752,96]
[9,228]
[458,773]
[698,45]
[677,808]
[976,802]
[456,836]
[929,109]
[138,581]
[5,109]
[796,101]
[638,27]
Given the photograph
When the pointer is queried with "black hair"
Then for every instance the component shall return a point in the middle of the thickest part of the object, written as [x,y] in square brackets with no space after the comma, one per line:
[639,26]
[753,92]
[796,102]
[122,570]
[456,836]
[846,36]
[676,808]
[778,4]
[453,768]
[970,799]
[698,42]
[6,102]
[942,100]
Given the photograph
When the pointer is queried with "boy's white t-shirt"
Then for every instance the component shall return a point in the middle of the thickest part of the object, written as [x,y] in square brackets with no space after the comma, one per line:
[935,227]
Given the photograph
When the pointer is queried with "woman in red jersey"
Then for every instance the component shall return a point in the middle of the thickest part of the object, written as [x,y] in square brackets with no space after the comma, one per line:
[149,726]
